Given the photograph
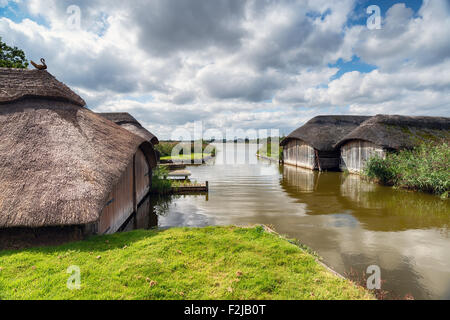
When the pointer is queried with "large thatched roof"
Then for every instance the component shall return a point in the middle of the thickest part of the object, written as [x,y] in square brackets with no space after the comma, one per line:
[396,132]
[17,84]
[127,121]
[58,160]
[323,132]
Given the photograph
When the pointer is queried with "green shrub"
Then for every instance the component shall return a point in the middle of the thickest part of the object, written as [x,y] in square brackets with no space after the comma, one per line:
[425,168]
[160,183]
[165,148]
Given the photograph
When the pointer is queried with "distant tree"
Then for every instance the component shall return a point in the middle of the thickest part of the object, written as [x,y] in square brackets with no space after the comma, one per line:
[12,57]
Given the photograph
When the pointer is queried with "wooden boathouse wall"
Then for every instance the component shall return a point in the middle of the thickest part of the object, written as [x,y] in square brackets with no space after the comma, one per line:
[355,154]
[128,195]
[122,208]
[299,154]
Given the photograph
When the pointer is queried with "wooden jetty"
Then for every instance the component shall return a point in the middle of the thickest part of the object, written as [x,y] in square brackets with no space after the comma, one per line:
[179,174]
[189,189]
[186,187]
[173,166]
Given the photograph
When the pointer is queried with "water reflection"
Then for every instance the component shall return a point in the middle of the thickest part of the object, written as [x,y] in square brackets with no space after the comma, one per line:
[378,208]
[405,233]
[351,223]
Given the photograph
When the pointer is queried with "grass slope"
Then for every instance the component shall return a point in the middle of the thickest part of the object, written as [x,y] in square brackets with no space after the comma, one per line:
[180,263]
[192,156]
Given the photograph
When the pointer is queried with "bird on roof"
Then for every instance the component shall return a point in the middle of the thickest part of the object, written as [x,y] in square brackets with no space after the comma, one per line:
[42,66]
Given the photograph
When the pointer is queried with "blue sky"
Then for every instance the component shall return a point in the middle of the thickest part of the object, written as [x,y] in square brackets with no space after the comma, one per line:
[360,9]
[231,63]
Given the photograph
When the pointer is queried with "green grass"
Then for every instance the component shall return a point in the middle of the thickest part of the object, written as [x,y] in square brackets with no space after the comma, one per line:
[266,151]
[180,263]
[185,183]
[425,168]
[165,148]
[192,156]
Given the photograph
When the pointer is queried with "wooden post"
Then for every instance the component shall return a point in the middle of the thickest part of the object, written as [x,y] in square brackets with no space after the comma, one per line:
[207,186]
[134,193]
[134,185]
[316,153]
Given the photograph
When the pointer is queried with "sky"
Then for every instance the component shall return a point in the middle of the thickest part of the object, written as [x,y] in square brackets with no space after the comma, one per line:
[237,64]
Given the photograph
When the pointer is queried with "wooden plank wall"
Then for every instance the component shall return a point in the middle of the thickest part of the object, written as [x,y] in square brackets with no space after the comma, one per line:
[298,153]
[120,204]
[143,174]
[132,189]
[355,154]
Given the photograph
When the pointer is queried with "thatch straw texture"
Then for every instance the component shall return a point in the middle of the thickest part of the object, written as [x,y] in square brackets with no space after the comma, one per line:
[396,132]
[127,121]
[17,84]
[58,160]
[323,132]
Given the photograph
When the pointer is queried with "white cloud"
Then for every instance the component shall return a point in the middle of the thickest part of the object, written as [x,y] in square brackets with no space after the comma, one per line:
[240,63]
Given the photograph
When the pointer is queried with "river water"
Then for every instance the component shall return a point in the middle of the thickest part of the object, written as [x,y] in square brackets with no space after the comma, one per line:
[350,223]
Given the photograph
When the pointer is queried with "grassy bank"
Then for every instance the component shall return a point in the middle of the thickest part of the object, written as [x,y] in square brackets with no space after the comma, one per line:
[425,168]
[270,150]
[165,149]
[207,263]
[192,156]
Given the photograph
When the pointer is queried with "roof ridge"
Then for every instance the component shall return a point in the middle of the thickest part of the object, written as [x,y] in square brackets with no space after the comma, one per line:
[19,84]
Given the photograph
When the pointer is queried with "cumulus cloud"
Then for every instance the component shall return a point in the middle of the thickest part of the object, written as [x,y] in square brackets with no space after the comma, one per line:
[406,40]
[233,63]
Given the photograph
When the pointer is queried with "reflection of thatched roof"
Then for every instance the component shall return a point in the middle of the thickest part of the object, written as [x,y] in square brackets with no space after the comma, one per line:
[16,84]
[395,132]
[323,132]
[127,121]
[58,160]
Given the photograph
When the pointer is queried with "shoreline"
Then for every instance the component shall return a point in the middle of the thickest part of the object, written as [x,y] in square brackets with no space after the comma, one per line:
[255,263]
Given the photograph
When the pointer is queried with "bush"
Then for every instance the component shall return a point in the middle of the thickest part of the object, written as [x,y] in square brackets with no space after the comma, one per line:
[425,168]
[160,183]
[12,57]
[165,148]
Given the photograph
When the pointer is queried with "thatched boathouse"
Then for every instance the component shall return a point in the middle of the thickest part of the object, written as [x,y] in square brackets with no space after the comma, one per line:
[127,121]
[312,146]
[65,172]
[386,133]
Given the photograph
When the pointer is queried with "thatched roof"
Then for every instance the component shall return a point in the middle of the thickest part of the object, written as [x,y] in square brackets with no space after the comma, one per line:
[58,161]
[127,121]
[396,132]
[323,132]
[17,84]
